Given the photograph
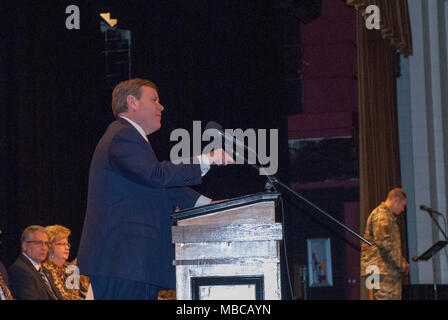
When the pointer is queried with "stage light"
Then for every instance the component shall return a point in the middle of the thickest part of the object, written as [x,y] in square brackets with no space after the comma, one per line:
[106,17]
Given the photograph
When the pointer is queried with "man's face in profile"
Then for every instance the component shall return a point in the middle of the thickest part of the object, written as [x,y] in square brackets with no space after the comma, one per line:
[398,205]
[148,110]
[36,247]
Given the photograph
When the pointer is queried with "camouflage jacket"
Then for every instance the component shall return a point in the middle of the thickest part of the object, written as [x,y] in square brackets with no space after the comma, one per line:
[382,229]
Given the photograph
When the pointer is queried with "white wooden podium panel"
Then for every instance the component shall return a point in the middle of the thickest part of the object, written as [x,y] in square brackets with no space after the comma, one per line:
[229,252]
[248,214]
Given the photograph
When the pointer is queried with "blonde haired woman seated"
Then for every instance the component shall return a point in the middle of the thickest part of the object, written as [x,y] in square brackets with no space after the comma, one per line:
[66,275]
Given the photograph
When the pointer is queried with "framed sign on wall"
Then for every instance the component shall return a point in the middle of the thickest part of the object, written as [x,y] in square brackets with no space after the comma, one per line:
[319,262]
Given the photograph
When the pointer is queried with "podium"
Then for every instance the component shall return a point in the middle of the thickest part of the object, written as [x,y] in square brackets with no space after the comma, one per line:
[430,252]
[229,250]
[435,248]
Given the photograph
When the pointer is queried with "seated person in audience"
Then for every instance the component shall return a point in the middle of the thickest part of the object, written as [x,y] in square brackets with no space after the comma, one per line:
[28,279]
[5,293]
[66,275]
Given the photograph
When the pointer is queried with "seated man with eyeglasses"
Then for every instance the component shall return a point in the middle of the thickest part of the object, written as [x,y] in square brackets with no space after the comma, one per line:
[28,279]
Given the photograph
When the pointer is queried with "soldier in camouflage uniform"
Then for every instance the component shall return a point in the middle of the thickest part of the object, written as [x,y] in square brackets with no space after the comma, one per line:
[384,258]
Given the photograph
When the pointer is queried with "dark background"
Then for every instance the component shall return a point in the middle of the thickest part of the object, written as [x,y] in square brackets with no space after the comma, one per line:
[212,60]
[221,60]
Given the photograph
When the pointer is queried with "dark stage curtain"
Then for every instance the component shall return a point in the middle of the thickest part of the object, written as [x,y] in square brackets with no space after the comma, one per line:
[377,97]
[395,25]
[212,60]
[52,115]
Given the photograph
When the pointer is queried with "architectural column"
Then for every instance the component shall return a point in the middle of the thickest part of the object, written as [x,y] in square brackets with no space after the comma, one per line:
[423,134]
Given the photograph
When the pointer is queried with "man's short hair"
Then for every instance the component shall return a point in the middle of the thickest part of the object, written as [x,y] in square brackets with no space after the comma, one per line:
[124,89]
[30,230]
[397,192]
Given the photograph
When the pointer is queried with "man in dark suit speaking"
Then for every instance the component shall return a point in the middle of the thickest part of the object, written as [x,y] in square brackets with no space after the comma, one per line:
[126,239]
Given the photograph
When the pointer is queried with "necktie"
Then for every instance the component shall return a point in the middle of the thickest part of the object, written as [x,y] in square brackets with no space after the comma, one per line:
[45,280]
[5,289]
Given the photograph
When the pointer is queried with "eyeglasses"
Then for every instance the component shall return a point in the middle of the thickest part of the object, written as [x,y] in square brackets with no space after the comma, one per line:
[39,243]
[62,244]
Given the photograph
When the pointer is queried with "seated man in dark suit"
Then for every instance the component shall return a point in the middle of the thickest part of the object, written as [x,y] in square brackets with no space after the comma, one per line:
[28,279]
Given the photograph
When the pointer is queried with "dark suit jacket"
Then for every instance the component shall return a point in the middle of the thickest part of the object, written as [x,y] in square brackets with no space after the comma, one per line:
[127,227]
[26,283]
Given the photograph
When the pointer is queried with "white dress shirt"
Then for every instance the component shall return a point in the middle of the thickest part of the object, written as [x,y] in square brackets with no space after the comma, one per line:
[35,264]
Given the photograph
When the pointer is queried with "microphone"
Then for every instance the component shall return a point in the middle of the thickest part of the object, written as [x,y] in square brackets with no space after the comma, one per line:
[252,156]
[212,125]
[216,127]
[425,208]
[232,139]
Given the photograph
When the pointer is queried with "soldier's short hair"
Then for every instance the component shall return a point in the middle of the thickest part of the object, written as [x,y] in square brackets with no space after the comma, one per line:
[397,192]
